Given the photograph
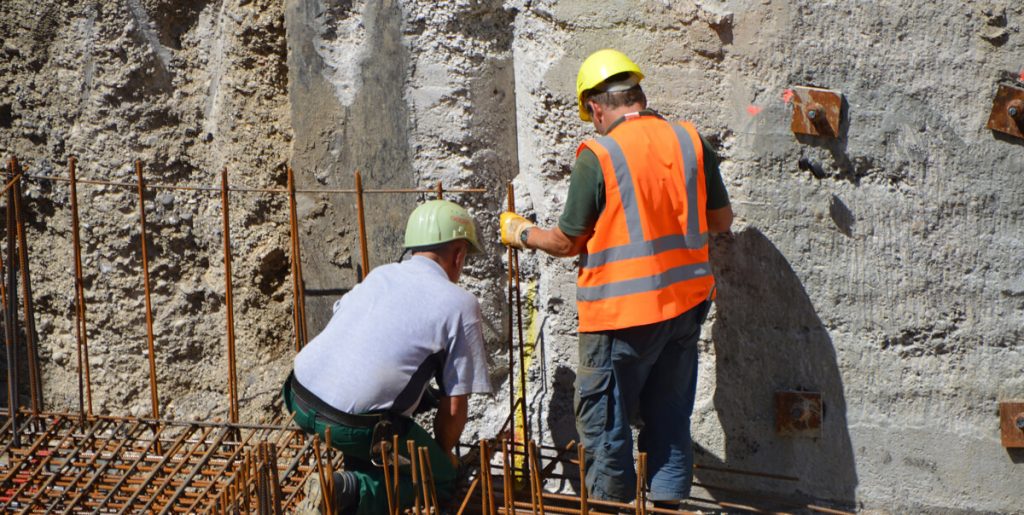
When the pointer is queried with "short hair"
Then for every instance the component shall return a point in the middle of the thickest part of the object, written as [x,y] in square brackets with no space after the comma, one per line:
[444,247]
[613,99]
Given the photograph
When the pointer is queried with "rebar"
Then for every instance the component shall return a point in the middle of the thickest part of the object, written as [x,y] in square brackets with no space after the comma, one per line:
[81,332]
[31,349]
[321,191]
[229,300]
[151,355]
[11,311]
[364,255]
[298,287]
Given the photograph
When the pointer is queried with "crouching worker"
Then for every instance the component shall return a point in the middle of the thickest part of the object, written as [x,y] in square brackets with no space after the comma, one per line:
[366,373]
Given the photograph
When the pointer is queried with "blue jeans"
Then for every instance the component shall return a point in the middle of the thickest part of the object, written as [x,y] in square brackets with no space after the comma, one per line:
[643,375]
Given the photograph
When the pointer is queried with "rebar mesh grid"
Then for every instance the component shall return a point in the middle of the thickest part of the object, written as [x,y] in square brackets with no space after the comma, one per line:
[70,464]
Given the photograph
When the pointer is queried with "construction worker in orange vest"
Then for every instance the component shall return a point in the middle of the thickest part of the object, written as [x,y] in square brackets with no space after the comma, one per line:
[642,201]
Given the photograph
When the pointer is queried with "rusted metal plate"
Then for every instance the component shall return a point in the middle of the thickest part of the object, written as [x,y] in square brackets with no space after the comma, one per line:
[798,413]
[1011,423]
[1008,111]
[816,111]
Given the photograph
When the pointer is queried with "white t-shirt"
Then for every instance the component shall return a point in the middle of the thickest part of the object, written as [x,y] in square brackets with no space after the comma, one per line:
[403,325]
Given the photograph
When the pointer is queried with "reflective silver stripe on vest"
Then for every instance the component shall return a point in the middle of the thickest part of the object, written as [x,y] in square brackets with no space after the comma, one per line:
[644,284]
[686,145]
[644,249]
[626,193]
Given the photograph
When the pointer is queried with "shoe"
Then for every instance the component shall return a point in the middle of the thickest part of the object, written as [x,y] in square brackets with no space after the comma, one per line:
[344,501]
[666,505]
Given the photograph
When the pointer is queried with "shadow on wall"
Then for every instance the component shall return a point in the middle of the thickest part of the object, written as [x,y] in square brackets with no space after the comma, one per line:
[767,338]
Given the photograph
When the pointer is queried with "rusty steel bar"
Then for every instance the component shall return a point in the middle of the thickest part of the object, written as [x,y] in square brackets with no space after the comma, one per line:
[329,510]
[141,489]
[99,473]
[427,476]
[70,458]
[96,455]
[487,480]
[31,348]
[515,295]
[392,502]
[506,473]
[229,300]
[81,332]
[581,454]
[394,472]
[44,437]
[155,442]
[40,464]
[641,484]
[328,487]
[415,477]
[230,460]
[299,295]
[536,486]
[98,182]
[440,191]
[202,463]
[153,396]
[364,255]
[11,311]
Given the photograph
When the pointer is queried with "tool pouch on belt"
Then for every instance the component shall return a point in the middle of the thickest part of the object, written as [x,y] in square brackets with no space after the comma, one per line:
[383,434]
[382,440]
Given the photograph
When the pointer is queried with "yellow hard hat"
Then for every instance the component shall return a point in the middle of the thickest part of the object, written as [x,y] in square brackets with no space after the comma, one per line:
[597,68]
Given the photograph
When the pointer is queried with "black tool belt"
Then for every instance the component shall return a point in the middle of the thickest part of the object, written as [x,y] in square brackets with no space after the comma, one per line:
[306,400]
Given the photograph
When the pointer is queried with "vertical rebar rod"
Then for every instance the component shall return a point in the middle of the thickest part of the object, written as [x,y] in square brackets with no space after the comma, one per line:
[428,479]
[392,503]
[154,398]
[506,476]
[581,456]
[364,255]
[641,484]
[440,191]
[514,287]
[81,332]
[487,480]
[11,315]
[298,287]
[536,482]
[415,476]
[394,473]
[31,349]
[511,334]
[320,470]
[229,300]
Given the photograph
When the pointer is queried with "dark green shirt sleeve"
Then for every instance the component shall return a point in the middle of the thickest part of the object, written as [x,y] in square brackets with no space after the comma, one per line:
[585,199]
[718,197]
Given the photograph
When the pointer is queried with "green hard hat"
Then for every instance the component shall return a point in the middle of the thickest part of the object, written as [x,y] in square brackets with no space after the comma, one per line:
[440,221]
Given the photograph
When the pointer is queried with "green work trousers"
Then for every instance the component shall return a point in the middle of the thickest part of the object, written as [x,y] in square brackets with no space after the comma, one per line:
[354,443]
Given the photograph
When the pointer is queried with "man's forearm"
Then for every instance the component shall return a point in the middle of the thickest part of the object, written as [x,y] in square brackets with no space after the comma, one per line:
[555,242]
[452,414]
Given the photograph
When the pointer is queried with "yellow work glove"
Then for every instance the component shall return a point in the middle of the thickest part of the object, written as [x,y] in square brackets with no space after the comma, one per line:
[512,227]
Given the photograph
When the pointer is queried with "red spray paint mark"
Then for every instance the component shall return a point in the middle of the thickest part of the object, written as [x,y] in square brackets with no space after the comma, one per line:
[753,110]
[787,96]
[1022,74]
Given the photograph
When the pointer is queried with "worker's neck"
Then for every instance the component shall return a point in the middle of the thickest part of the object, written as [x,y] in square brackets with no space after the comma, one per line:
[447,262]
[608,117]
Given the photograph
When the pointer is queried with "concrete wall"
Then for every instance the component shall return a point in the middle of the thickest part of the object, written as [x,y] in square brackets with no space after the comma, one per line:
[892,284]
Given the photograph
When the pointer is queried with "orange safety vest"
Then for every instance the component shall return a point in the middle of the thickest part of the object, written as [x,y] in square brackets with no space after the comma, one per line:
[647,260]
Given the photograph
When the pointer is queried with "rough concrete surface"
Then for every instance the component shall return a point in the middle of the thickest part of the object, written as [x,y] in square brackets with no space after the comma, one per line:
[882,269]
